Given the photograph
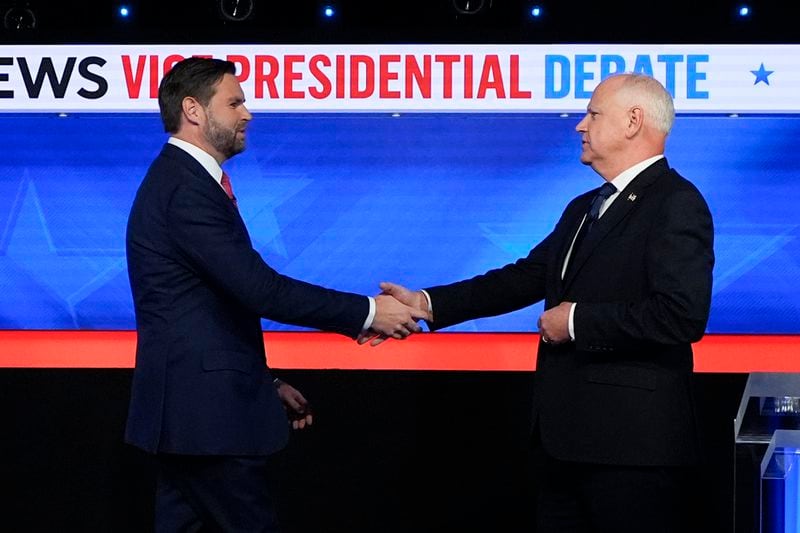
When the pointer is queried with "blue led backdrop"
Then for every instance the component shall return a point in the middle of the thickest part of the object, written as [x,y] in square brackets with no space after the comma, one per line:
[348,200]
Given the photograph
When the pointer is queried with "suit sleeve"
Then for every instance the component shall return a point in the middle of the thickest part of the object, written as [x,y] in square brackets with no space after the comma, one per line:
[679,262]
[216,245]
[496,292]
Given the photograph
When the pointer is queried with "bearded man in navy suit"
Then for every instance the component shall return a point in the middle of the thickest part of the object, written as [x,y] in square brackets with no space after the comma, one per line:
[203,400]
[625,276]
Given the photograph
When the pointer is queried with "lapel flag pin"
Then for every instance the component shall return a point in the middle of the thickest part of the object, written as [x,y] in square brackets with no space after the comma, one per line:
[631,197]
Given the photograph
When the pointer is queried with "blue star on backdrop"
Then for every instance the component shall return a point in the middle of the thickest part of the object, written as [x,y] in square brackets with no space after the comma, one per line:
[761,74]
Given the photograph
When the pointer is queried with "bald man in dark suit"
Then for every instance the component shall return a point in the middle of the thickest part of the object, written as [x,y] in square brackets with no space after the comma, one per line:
[626,279]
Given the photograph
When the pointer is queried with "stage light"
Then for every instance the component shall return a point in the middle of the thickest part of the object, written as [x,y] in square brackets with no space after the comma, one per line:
[236,10]
[19,18]
[471,7]
[328,13]
[744,11]
[125,14]
[534,12]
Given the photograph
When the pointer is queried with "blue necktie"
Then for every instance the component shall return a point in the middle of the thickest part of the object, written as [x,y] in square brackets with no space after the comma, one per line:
[594,210]
[591,217]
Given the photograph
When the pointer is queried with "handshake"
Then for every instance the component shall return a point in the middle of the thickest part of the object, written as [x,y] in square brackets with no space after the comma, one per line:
[397,311]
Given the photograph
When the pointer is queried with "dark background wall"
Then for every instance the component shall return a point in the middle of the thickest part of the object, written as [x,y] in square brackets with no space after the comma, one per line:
[388,452]
[408,21]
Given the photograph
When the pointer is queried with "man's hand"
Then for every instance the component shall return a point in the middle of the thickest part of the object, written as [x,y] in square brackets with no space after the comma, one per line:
[297,407]
[415,301]
[411,298]
[554,324]
[396,319]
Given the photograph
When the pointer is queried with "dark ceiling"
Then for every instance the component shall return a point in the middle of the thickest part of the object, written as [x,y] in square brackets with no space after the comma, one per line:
[401,21]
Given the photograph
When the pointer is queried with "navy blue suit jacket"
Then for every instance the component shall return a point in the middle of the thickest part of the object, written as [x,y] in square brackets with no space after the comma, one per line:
[621,394]
[201,384]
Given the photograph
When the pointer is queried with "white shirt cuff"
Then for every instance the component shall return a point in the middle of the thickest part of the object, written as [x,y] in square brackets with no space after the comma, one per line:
[572,322]
[428,298]
[371,315]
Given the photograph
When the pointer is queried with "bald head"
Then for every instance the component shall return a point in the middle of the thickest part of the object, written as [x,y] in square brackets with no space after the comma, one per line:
[627,121]
[647,92]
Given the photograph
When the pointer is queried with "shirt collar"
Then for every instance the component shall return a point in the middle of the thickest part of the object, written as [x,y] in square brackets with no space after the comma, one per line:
[622,181]
[202,157]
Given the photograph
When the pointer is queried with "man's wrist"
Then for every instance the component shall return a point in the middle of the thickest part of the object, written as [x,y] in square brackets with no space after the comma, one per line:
[426,301]
[370,315]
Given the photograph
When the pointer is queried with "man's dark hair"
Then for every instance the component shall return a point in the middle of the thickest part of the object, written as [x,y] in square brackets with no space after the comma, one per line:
[195,77]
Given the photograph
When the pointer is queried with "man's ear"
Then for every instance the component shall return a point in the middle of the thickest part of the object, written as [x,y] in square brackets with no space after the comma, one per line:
[635,121]
[192,110]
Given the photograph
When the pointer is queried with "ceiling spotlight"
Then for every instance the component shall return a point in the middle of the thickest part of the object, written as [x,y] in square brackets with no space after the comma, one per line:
[236,10]
[471,7]
[744,11]
[19,18]
[124,11]
[328,11]
[536,11]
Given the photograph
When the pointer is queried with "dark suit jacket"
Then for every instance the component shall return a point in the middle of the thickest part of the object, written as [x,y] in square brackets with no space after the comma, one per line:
[621,393]
[201,384]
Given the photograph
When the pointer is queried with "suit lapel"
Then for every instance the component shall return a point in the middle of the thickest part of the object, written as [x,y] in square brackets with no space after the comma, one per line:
[629,198]
[576,219]
[204,178]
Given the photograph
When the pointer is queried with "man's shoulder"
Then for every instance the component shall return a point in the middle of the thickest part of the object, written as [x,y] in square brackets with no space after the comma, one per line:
[676,194]
[675,181]
[173,166]
[173,158]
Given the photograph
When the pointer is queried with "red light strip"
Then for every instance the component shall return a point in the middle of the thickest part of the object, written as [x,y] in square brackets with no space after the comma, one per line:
[428,351]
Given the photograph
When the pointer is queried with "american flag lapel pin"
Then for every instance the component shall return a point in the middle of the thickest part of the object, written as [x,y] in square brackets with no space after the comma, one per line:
[631,197]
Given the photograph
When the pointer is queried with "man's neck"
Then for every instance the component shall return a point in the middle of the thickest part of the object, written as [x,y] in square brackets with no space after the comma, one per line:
[199,141]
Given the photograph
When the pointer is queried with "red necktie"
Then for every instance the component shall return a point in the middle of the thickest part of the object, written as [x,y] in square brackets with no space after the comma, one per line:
[226,184]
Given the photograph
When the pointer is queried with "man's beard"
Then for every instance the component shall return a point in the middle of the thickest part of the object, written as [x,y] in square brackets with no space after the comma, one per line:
[224,140]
